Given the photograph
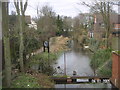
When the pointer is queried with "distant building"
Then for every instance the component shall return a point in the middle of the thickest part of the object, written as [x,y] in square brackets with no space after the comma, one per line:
[116,26]
[28,19]
[13,19]
[33,25]
[99,27]
[116,35]
[86,19]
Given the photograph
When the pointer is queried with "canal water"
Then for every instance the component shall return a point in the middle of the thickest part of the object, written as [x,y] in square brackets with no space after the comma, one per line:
[79,62]
[75,61]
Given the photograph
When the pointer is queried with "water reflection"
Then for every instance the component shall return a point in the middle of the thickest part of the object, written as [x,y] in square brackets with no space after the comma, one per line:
[75,61]
[101,86]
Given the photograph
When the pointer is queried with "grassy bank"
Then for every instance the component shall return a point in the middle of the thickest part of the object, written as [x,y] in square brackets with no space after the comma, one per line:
[101,62]
[106,70]
[58,44]
[44,62]
[43,57]
[34,80]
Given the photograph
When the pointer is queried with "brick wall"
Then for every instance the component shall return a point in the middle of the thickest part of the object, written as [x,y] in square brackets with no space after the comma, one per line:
[116,70]
[119,71]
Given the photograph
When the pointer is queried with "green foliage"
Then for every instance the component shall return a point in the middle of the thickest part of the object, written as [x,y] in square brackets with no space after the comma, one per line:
[31,43]
[105,71]
[94,44]
[118,52]
[100,57]
[43,56]
[44,60]
[25,81]
[60,76]
[59,24]
[31,39]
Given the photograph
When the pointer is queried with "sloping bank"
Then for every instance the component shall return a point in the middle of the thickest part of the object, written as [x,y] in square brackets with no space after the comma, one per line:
[39,66]
[101,62]
[32,80]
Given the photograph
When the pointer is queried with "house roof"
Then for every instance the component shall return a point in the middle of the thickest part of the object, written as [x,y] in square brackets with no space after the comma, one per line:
[27,18]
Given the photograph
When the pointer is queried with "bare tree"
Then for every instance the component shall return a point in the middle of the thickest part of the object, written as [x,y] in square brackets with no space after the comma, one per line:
[6,43]
[79,29]
[46,22]
[20,8]
[104,8]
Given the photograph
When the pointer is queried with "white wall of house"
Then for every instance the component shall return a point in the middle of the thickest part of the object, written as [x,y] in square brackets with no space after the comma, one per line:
[33,25]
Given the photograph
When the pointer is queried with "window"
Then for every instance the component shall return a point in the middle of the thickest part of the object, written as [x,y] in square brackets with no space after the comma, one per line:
[91,34]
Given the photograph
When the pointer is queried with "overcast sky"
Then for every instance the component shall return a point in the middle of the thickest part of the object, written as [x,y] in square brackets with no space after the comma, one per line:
[61,7]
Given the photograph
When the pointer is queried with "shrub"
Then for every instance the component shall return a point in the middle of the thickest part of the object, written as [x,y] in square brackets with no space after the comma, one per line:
[105,71]
[42,63]
[100,57]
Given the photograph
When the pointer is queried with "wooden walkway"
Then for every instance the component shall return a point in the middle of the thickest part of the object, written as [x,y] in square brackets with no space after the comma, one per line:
[80,79]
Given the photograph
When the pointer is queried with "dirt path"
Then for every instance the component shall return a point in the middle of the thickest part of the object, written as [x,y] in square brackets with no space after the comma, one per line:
[56,44]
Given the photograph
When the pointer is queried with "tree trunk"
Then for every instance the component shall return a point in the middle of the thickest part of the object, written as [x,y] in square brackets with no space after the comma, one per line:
[21,48]
[6,42]
[20,8]
[108,24]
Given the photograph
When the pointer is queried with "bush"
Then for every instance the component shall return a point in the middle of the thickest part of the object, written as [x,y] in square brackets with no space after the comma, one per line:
[105,71]
[100,57]
[43,57]
[42,64]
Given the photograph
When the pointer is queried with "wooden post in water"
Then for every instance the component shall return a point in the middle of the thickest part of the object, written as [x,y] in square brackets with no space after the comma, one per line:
[64,64]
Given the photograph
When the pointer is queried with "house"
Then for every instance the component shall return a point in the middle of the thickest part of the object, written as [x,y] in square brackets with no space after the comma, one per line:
[33,24]
[116,35]
[13,19]
[28,19]
[116,26]
[87,20]
[99,27]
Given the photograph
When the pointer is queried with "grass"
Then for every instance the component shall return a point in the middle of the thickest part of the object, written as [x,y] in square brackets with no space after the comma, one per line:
[42,63]
[117,51]
[44,81]
[60,76]
[43,57]
[105,72]
[100,57]
[25,81]
[36,80]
